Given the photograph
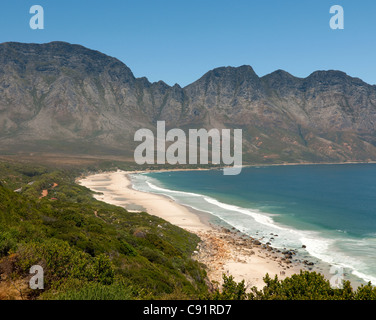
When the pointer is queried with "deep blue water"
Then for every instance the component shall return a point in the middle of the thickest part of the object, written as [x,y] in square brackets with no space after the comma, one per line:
[329,208]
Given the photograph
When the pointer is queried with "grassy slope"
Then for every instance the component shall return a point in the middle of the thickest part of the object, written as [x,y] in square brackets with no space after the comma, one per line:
[90,249]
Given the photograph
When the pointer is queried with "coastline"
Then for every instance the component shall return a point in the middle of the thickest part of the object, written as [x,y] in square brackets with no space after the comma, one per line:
[222,250]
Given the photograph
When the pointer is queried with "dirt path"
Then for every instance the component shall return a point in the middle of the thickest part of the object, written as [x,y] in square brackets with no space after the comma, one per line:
[44,194]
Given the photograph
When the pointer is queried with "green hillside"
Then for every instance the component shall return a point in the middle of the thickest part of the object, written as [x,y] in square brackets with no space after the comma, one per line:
[89,248]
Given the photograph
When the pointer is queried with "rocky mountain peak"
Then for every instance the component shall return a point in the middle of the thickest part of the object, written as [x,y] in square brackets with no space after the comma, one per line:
[61,97]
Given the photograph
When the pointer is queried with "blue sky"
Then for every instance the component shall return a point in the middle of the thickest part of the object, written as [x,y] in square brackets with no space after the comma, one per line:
[177,41]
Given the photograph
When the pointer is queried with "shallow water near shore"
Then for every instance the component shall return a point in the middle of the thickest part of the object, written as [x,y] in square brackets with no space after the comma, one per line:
[330,209]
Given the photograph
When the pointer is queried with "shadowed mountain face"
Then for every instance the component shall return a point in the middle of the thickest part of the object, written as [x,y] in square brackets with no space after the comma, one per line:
[66,98]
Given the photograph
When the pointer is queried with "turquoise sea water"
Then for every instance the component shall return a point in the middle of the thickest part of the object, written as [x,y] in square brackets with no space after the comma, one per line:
[331,209]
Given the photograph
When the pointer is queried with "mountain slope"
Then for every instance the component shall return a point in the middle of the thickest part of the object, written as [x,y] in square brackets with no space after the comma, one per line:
[66,98]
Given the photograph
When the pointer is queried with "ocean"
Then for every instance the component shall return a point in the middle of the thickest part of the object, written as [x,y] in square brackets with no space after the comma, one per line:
[330,209]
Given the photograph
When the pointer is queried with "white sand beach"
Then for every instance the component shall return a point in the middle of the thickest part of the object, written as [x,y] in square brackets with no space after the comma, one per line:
[221,250]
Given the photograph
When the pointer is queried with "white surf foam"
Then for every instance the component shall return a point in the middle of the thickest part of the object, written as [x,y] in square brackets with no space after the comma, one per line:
[317,246]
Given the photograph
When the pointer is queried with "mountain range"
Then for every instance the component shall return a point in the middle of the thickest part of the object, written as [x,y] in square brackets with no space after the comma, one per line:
[65,98]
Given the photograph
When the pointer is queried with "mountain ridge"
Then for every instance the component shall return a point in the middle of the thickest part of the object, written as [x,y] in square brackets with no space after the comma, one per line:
[63,97]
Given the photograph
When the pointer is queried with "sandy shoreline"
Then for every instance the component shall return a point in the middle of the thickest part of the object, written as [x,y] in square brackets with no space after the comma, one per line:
[221,250]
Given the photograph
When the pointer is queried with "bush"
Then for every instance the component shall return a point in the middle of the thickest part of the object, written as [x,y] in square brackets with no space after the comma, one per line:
[127,249]
[230,290]
[365,292]
[60,261]
[8,242]
[303,286]
[78,290]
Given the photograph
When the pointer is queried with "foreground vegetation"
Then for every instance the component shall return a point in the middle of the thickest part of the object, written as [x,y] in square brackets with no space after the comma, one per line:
[89,249]
[308,285]
[92,250]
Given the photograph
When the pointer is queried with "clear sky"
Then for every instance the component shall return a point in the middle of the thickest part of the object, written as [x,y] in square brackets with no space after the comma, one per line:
[177,41]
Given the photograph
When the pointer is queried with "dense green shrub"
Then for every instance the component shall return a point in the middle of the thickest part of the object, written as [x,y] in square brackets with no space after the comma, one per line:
[303,286]
[8,242]
[81,290]
[61,262]
[231,290]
